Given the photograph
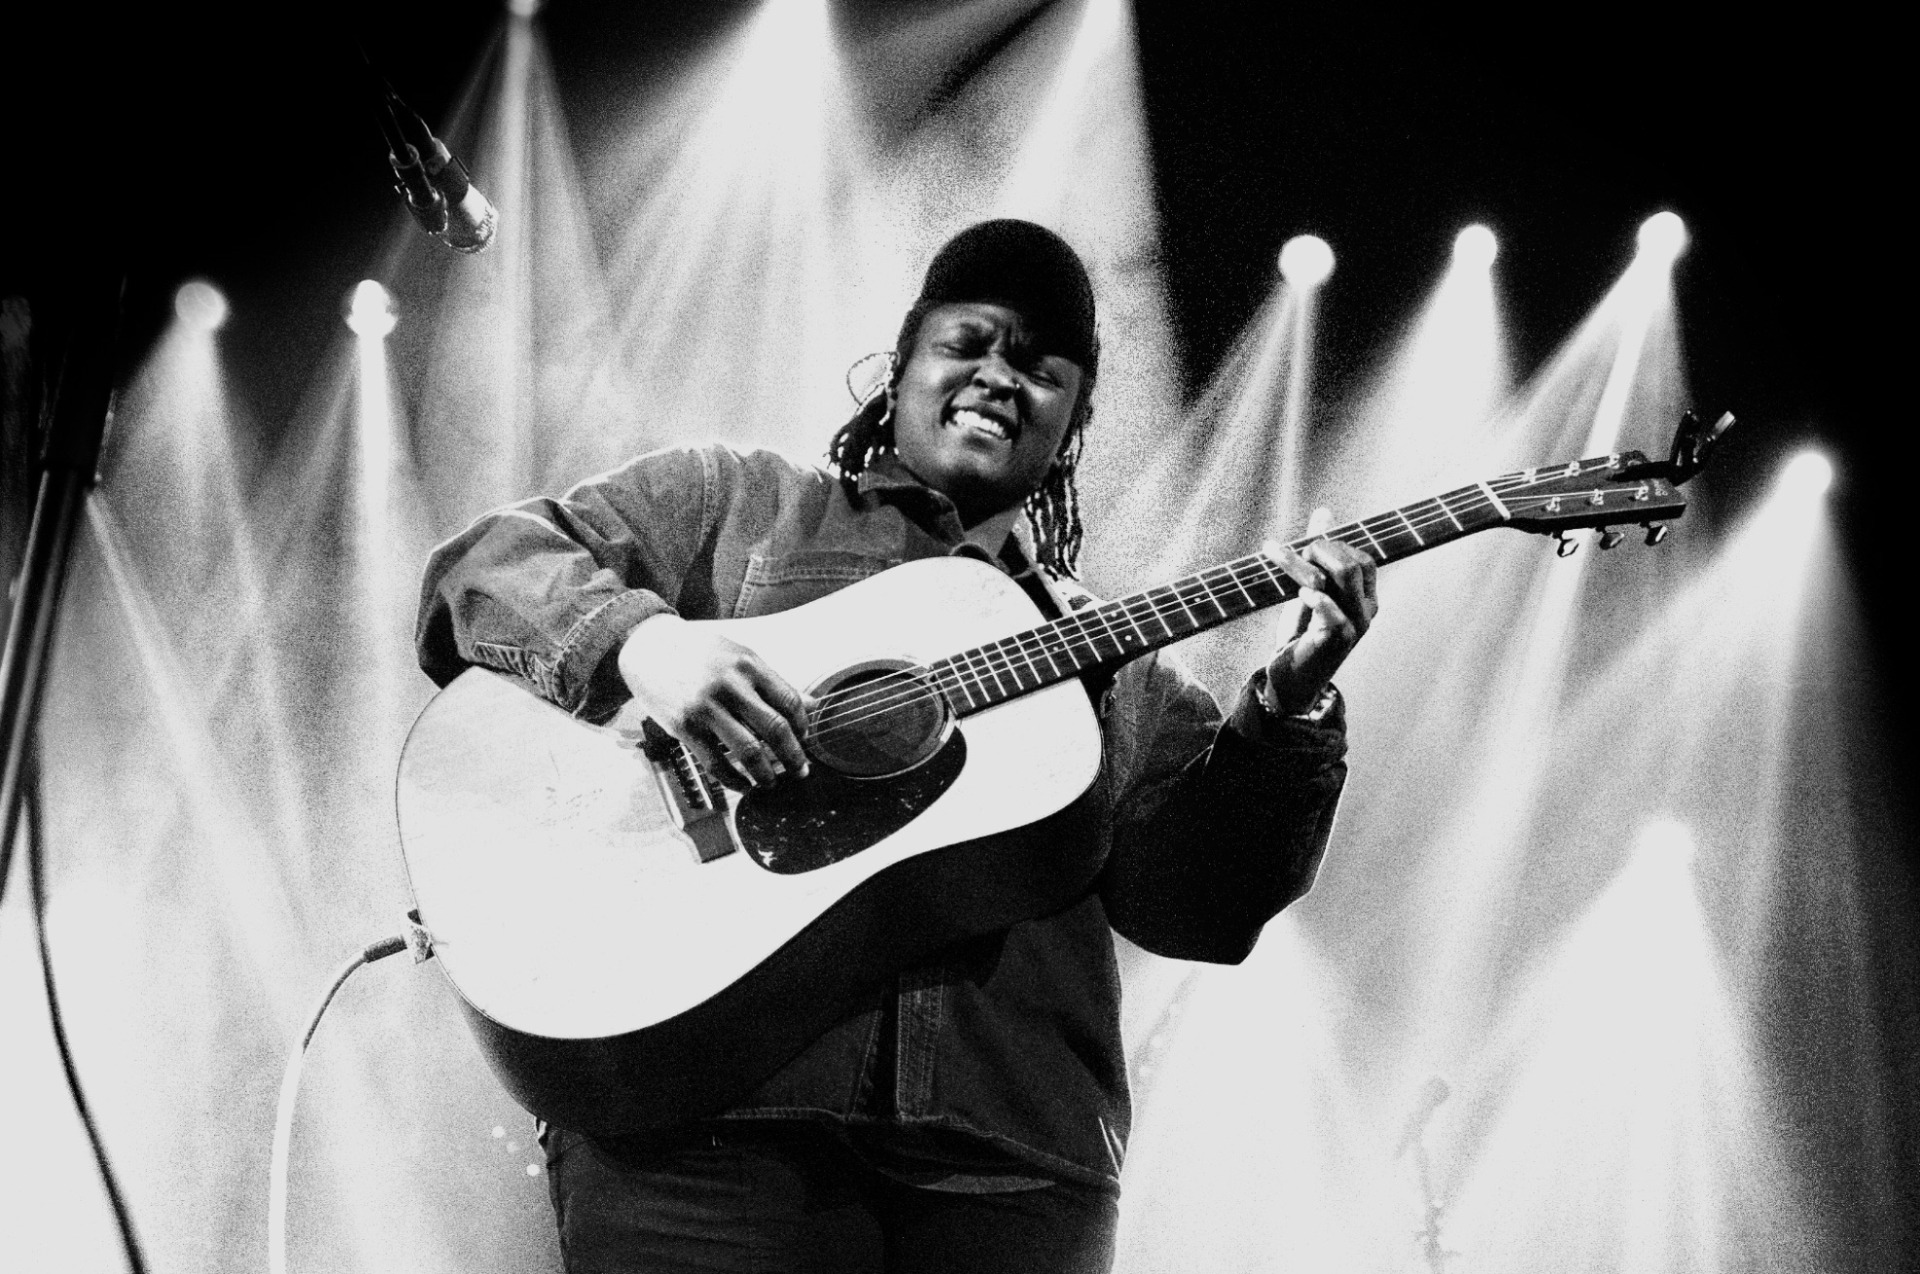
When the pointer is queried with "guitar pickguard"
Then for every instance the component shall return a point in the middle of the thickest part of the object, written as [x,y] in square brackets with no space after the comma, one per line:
[802,825]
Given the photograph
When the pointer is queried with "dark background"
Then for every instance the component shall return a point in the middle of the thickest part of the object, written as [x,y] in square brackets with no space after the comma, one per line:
[197,141]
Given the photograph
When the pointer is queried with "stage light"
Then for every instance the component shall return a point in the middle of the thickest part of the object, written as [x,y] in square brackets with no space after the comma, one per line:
[1663,236]
[1306,261]
[1808,474]
[524,8]
[1475,248]
[1423,422]
[370,310]
[200,305]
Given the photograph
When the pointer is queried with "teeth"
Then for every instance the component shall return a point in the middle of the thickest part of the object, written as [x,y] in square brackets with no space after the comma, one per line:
[969,418]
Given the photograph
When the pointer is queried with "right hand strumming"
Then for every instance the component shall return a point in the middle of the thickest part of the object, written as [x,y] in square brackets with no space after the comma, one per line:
[739,716]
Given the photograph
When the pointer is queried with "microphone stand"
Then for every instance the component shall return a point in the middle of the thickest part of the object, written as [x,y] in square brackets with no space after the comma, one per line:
[1427,1237]
[1433,1255]
[82,412]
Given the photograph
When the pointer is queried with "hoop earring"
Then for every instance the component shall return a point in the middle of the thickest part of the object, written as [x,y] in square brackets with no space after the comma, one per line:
[861,370]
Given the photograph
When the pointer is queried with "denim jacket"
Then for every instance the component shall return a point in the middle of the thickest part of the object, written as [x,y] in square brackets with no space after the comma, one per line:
[1011,1041]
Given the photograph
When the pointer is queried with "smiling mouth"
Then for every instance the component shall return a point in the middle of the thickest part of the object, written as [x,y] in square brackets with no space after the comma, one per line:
[979,422]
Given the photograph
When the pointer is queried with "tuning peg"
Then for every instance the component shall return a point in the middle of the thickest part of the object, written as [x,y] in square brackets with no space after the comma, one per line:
[1656,531]
[1568,545]
[1610,537]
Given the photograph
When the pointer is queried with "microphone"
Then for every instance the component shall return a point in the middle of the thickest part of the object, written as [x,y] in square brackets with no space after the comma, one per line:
[467,218]
[439,193]
[1431,1095]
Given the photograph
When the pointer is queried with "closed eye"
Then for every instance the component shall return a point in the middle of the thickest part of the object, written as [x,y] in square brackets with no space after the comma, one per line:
[966,342]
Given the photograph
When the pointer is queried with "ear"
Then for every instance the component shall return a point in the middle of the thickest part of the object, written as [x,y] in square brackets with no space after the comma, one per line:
[1076,434]
[1082,413]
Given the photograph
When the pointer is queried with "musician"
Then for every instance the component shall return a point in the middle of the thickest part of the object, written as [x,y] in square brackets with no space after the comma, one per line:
[973,1113]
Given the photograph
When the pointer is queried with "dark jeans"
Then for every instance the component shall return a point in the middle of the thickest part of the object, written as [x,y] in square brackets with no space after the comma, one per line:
[796,1200]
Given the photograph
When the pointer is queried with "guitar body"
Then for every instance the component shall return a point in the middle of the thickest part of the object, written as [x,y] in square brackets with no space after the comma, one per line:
[621,978]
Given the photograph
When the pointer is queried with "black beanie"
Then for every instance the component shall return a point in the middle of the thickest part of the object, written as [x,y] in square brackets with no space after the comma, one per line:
[1024,267]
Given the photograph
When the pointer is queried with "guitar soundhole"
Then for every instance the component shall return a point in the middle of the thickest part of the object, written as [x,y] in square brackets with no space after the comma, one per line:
[875,719]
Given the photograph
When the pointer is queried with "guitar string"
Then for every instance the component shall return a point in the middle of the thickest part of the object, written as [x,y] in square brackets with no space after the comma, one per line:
[870,702]
[1089,626]
[897,690]
[1199,589]
[1001,659]
[1018,657]
[838,710]
[893,691]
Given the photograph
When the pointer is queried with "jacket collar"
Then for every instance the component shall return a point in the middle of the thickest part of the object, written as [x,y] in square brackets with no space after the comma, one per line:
[886,480]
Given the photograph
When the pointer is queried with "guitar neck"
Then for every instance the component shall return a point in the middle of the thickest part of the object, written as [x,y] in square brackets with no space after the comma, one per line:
[1117,631]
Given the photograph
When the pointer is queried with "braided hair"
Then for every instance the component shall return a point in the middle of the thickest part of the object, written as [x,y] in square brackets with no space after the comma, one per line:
[1053,511]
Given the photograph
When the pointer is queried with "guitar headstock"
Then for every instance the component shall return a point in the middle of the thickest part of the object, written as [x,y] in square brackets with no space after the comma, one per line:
[1606,492]
[1609,491]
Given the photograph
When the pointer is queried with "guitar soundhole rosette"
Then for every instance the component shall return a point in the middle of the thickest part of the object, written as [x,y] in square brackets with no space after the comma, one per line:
[877,718]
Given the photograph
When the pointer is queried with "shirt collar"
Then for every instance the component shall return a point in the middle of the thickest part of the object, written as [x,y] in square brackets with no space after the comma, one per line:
[886,479]
[885,473]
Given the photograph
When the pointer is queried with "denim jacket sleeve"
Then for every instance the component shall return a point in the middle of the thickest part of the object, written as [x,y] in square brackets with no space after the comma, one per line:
[547,589]
[1217,825]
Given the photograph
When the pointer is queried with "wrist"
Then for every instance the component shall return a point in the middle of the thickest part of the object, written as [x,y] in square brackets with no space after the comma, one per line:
[633,645]
[1297,706]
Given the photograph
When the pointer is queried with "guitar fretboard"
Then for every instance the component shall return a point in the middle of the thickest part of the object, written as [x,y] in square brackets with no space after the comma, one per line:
[1115,631]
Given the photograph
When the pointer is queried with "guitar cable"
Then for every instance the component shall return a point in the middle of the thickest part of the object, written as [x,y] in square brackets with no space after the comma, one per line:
[415,939]
[32,824]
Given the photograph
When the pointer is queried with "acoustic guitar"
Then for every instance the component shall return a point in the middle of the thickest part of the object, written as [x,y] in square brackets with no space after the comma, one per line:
[635,945]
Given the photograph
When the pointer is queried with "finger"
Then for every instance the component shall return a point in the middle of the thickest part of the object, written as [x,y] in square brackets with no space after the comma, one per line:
[1366,582]
[779,717]
[1297,568]
[1337,566]
[1337,556]
[1319,522]
[744,749]
[1350,577]
[779,742]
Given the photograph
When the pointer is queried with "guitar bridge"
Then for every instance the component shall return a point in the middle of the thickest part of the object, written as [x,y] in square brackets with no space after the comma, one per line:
[697,804]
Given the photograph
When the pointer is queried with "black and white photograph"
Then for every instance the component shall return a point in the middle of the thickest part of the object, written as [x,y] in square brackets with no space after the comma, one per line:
[854,637]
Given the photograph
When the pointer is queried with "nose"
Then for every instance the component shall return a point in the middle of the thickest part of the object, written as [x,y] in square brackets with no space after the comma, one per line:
[995,375]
